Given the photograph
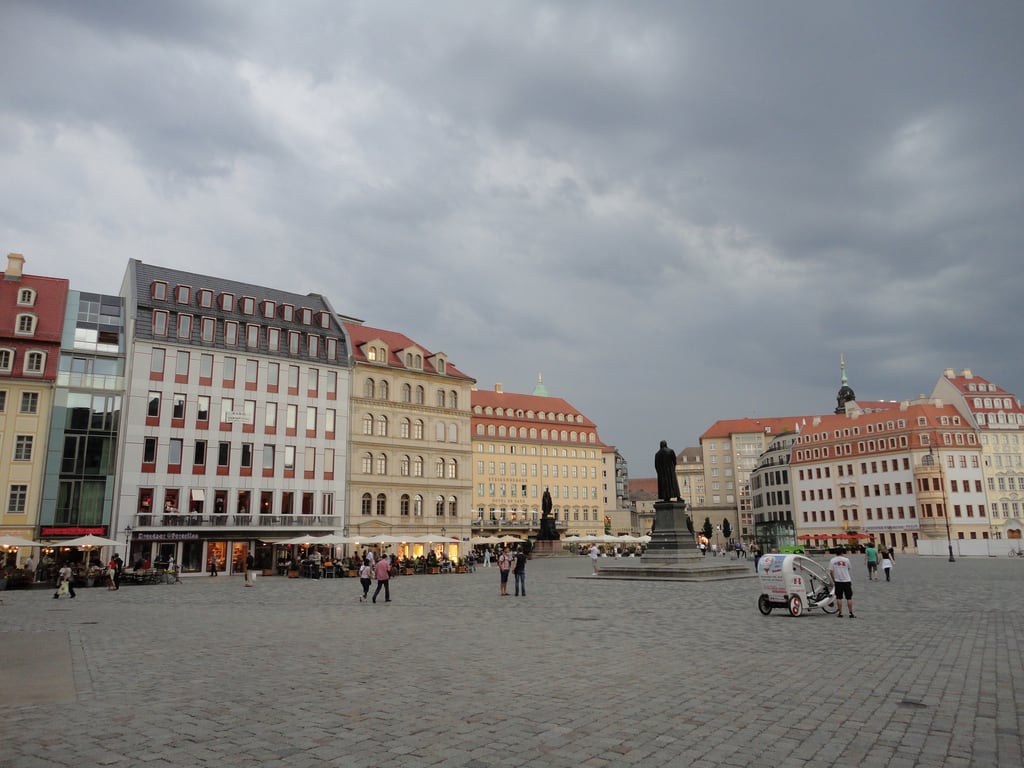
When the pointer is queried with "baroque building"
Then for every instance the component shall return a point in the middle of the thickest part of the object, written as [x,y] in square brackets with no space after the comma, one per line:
[31,322]
[411,470]
[524,444]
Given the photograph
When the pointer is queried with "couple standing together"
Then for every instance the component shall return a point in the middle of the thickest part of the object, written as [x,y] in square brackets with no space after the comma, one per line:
[516,562]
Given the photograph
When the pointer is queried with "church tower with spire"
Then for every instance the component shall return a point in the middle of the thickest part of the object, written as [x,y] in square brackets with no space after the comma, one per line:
[845,394]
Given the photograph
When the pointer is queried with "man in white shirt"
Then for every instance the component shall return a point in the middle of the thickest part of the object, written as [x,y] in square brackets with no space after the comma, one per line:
[839,570]
[594,554]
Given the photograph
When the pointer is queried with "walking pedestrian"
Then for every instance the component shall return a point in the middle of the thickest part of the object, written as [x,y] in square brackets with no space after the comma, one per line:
[172,568]
[365,577]
[111,571]
[250,564]
[871,558]
[504,563]
[117,571]
[487,558]
[839,570]
[519,570]
[213,564]
[887,561]
[382,570]
[594,554]
[64,585]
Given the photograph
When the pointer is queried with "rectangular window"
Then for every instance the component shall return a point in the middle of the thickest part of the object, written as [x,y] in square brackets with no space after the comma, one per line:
[207,328]
[291,416]
[251,373]
[273,376]
[205,366]
[310,418]
[289,457]
[183,360]
[223,454]
[203,408]
[174,448]
[330,420]
[252,336]
[178,409]
[332,384]
[313,381]
[273,339]
[246,461]
[231,333]
[17,497]
[3,400]
[29,402]
[159,322]
[312,345]
[227,405]
[268,457]
[23,448]
[270,419]
[229,371]
[293,379]
[149,450]
[199,454]
[184,326]
[293,342]
[156,362]
[250,412]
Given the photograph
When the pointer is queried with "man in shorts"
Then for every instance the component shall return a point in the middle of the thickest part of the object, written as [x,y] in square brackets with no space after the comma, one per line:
[839,570]
[871,560]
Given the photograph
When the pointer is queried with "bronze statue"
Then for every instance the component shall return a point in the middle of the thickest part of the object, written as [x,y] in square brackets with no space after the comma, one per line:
[548,531]
[665,466]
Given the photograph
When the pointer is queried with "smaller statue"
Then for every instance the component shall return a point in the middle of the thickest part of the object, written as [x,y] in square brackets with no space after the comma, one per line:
[665,466]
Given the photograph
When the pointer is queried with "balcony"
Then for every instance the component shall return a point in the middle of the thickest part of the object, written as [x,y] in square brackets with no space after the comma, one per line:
[158,522]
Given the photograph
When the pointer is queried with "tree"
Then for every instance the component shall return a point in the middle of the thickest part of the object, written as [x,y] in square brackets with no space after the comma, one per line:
[708,529]
[726,529]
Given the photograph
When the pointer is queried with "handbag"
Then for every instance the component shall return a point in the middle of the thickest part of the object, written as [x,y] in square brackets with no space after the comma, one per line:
[63,588]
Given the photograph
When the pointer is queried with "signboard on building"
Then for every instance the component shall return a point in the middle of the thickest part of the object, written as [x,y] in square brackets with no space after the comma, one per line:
[71,531]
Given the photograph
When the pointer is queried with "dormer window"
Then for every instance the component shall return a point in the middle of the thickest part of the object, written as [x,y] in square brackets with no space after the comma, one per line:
[247,305]
[182,294]
[268,308]
[205,296]
[26,325]
[35,362]
[227,302]
[306,316]
[325,319]
[6,358]
[287,312]
[159,290]
[26,297]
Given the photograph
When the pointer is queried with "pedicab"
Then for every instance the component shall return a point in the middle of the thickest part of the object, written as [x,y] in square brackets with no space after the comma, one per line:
[796,583]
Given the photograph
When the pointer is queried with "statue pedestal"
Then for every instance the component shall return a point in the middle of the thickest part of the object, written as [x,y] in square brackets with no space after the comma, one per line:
[549,549]
[673,555]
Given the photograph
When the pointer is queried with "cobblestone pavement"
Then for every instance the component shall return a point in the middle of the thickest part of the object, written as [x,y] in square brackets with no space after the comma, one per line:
[582,671]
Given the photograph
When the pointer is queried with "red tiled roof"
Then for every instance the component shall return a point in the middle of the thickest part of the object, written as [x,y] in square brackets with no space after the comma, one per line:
[775,425]
[396,342]
[535,403]
[644,484]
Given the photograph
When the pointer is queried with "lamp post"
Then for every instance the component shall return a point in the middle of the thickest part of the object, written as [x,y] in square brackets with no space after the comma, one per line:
[127,540]
[945,506]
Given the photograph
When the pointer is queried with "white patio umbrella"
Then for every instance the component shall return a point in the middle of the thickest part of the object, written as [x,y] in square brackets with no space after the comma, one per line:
[305,540]
[88,541]
[17,541]
[483,540]
[510,540]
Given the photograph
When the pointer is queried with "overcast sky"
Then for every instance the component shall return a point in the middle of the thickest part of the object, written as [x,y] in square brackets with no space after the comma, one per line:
[677,212]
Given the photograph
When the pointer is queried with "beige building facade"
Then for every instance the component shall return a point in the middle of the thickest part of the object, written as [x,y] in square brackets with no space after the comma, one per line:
[411,468]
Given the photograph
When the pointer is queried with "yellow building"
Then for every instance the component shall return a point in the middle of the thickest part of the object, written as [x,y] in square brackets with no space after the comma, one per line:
[524,444]
[410,468]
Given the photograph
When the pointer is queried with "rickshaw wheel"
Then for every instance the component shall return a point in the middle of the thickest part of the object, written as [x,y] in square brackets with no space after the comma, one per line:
[829,607]
[796,606]
[764,605]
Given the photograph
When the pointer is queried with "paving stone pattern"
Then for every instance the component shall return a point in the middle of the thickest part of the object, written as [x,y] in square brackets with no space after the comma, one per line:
[582,672]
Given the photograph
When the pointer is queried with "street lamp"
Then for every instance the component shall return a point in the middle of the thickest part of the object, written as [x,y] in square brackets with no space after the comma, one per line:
[945,506]
[127,540]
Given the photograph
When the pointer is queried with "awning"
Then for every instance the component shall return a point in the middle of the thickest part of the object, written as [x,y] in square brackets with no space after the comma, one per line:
[198,494]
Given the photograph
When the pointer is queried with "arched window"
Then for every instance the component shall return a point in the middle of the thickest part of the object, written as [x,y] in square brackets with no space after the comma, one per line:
[382,426]
[453,470]
[368,424]
[367,462]
[384,390]
[403,505]
[417,467]
[453,506]
[439,506]
[406,428]
[35,362]
[382,504]
[365,504]
[420,395]
[511,431]
[25,324]
[417,506]
[440,398]
[490,430]
[453,399]
[406,393]
[404,466]
[417,430]
[368,388]
[382,464]
[439,468]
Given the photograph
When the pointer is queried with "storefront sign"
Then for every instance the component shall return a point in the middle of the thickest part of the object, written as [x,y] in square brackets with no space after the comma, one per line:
[52,531]
[170,536]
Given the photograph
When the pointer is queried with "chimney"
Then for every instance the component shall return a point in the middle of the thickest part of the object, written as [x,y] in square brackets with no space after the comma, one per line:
[948,373]
[497,387]
[15,263]
[967,374]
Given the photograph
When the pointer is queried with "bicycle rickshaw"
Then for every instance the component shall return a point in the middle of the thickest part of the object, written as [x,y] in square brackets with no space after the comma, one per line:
[796,583]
